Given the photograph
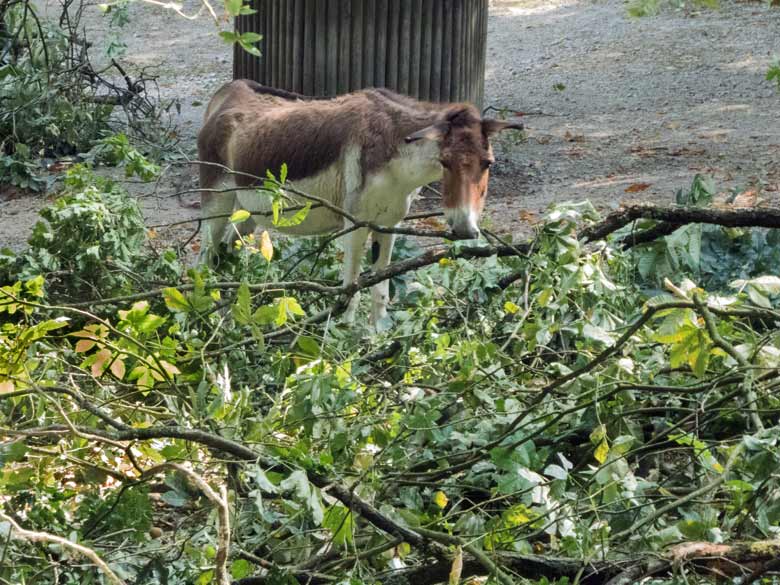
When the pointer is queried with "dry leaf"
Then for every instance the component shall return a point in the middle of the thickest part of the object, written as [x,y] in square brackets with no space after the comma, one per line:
[151,234]
[746,199]
[84,345]
[118,368]
[99,365]
[432,223]
[195,247]
[637,187]
[6,386]
[457,567]
[528,216]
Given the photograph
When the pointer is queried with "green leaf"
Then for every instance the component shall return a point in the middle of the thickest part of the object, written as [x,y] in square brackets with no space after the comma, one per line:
[251,49]
[11,452]
[262,481]
[339,521]
[233,7]
[598,434]
[297,219]
[228,37]
[174,498]
[308,345]
[242,309]
[251,37]
[240,568]
[556,471]
[175,301]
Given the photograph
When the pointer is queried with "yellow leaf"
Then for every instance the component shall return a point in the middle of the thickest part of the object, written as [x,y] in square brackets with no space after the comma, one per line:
[240,216]
[266,247]
[517,515]
[457,567]
[440,499]
[602,451]
[545,296]
[511,308]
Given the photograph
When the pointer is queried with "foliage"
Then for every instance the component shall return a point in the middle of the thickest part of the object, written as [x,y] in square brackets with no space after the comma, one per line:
[714,256]
[774,72]
[45,107]
[569,415]
[91,236]
[53,104]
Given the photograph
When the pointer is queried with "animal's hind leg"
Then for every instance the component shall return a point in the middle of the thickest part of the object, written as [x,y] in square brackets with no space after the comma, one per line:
[215,209]
[381,253]
[354,246]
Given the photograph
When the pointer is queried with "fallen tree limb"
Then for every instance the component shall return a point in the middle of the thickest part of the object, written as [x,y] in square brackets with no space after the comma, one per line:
[649,235]
[701,557]
[676,216]
[766,217]
[244,453]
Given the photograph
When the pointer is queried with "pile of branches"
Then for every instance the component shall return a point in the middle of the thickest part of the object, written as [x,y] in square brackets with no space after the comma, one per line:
[531,416]
[54,102]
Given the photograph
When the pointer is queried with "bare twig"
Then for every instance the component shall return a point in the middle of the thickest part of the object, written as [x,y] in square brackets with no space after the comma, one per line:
[32,536]
[223,516]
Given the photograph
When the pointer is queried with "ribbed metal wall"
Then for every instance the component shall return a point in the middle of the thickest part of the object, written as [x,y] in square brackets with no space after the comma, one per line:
[429,49]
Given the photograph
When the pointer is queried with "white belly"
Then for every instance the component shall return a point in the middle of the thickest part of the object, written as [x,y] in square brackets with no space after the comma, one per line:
[382,198]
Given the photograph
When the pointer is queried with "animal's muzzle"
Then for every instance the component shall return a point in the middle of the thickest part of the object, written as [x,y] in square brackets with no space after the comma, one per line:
[463,230]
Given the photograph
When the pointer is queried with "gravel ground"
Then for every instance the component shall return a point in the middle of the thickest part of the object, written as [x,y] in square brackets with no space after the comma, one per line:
[616,109]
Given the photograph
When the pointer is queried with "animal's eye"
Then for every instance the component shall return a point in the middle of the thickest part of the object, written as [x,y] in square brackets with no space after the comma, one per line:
[486,164]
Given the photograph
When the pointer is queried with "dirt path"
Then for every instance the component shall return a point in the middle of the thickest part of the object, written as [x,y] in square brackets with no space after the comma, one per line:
[617,109]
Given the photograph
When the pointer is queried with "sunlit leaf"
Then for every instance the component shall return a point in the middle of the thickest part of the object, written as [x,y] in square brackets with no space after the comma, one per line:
[240,216]
[601,452]
[266,247]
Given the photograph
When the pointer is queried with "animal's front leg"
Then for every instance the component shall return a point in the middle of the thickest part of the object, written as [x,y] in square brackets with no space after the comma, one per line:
[354,246]
[381,253]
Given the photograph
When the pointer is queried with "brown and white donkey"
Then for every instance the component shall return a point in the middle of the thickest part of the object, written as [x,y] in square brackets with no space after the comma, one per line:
[367,152]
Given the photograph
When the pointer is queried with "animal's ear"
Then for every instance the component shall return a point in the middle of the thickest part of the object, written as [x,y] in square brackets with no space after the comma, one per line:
[434,132]
[491,126]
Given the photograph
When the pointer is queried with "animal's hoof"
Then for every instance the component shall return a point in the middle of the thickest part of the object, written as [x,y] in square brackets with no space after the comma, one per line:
[383,323]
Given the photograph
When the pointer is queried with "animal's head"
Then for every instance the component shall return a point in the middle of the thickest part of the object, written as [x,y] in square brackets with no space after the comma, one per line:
[465,155]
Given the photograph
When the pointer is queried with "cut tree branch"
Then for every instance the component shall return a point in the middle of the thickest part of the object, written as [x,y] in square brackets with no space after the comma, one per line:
[32,536]
[766,217]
